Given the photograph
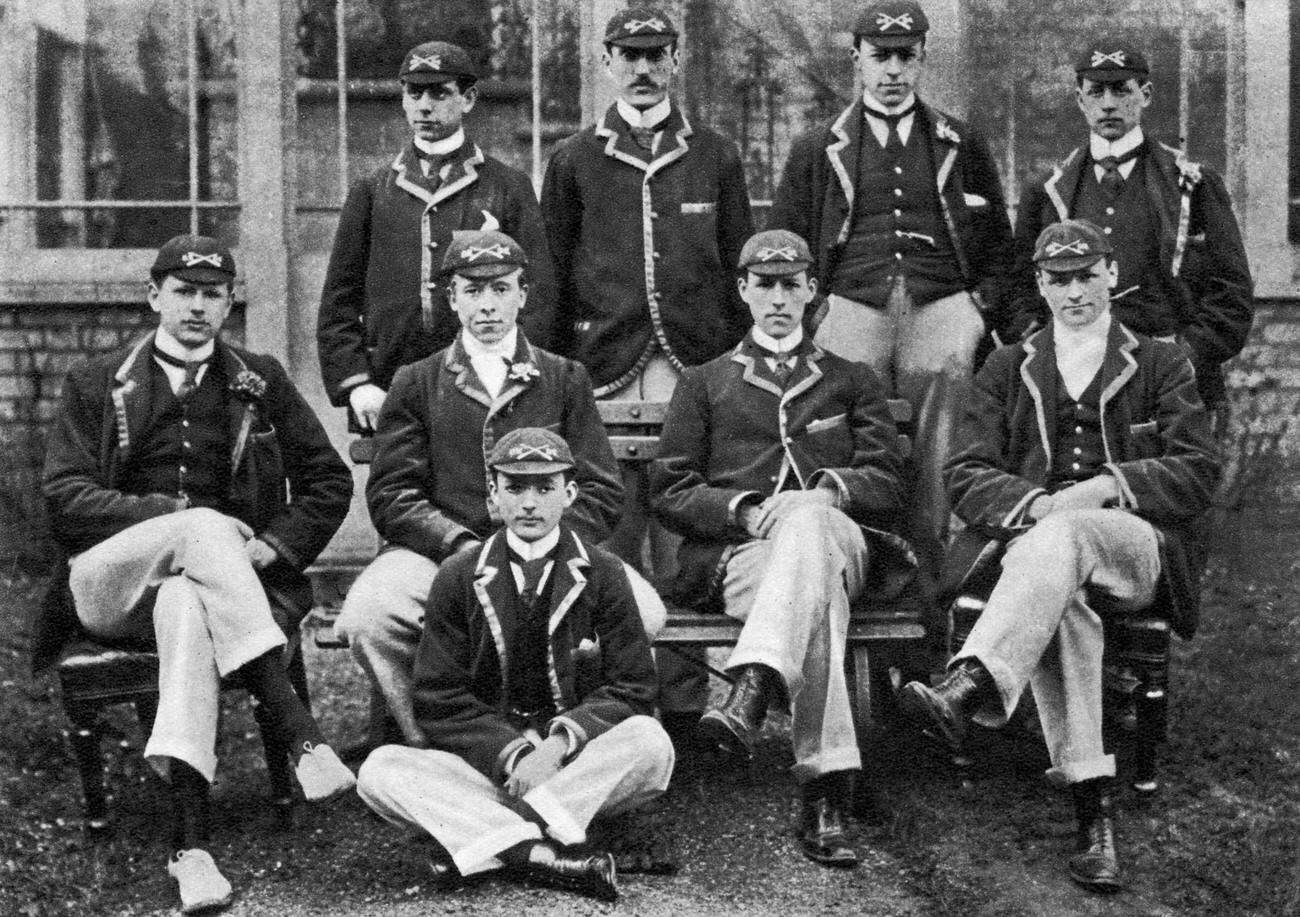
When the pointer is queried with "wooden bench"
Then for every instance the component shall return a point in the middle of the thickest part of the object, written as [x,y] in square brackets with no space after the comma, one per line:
[885,644]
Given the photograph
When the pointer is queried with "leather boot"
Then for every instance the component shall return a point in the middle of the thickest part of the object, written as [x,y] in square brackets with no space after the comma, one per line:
[826,801]
[585,872]
[944,709]
[733,728]
[1094,864]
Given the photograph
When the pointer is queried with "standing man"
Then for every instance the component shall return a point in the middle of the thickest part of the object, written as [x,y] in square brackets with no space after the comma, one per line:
[1088,448]
[902,205]
[779,464]
[1183,273]
[382,306]
[645,216]
[190,485]
[428,487]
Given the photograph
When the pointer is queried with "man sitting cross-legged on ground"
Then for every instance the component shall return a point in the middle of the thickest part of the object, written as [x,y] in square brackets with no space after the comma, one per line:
[428,493]
[189,481]
[1089,447]
[525,749]
[774,460]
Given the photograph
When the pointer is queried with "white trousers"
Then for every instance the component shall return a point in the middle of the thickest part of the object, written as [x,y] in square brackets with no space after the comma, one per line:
[1039,629]
[793,590]
[439,794]
[383,616]
[922,354]
[187,577]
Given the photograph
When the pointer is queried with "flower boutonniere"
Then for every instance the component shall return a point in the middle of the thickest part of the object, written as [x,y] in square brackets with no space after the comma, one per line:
[248,386]
[943,130]
[522,372]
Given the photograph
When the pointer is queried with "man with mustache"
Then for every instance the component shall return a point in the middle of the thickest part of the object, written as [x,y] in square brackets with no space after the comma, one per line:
[903,208]
[1183,273]
[645,215]
[382,305]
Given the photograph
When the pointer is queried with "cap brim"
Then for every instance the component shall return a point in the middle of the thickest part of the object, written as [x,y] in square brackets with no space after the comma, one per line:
[527,469]
[1070,264]
[486,270]
[777,268]
[643,41]
[1113,75]
[430,78]
[893,41]
[202,275]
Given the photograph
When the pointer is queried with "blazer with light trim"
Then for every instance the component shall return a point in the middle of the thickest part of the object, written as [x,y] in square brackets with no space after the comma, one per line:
[383,305]
[731,433]
[1156,439]
[286,481]
[1200,251]
[460,669]
[816,195]
[645,246]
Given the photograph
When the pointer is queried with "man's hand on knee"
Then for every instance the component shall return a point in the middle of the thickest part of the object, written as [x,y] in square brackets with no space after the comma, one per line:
[759,520]
[1094,493]
[538,766]
[260,554]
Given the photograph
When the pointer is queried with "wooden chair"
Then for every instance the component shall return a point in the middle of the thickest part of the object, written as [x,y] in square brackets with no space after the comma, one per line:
[1135,675]
[93,676]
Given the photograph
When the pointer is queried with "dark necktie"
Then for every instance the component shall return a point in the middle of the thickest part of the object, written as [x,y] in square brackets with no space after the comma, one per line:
[644,137]
[432,164]
[532,570]
[893,139]
[783,363]
[191,367]
[1112,180]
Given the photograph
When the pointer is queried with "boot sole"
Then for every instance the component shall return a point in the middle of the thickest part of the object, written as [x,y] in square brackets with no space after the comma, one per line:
[919,704]
[717,733]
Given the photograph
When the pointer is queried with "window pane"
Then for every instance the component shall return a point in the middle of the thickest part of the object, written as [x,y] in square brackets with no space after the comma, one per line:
[108,99]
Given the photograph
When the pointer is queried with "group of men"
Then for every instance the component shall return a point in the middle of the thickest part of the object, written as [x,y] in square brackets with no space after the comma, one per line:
[471,329]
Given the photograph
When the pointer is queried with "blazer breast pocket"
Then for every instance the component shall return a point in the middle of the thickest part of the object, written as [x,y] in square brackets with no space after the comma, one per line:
[827,423]
[1147,428]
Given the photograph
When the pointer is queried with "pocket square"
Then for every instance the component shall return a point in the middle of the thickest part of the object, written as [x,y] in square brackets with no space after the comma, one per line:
[701,207]
[974,200]
[826,423]
[1149,426]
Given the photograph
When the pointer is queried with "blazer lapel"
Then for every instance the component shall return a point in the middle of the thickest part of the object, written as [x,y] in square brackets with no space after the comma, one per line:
[491,588]
[521,377]
[466,380]
[1063,184]
[1118,367]
[618,140]
[1036,372]
[131,392]
[571,564]
[755,370]
[807,372]
[849,121]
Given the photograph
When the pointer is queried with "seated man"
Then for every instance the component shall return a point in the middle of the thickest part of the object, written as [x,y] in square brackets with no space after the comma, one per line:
[1089,447]
[524,748]
[188,481]
[428,493]
[774,459]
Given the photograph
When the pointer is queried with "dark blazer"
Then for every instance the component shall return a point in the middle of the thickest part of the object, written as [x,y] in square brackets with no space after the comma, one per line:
[1200,249]
[383,305]
[428,480]
[645,248]
[460,690]
[730,432]
[286,482]
[816,195]
[1155,433]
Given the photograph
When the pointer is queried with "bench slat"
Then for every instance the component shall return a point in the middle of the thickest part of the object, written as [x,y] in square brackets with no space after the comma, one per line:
[635,448]
[630,413]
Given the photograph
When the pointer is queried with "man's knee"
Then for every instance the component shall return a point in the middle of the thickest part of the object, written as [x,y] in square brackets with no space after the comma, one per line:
[654,746]
[378,607]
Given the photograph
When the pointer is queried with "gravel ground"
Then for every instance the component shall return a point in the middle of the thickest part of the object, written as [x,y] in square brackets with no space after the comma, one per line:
[1221,838]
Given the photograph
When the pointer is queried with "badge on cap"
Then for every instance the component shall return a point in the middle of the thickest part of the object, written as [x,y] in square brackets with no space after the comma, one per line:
[472,253]
[885,22]
[432,62]
[194,259]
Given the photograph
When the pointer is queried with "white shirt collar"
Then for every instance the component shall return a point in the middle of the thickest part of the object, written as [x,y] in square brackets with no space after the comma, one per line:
[531,549]
[444,147]
[1067,338]
[1100,147]
[502,348]
[648,117]
[879,129]
[784,345]
[165,342]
